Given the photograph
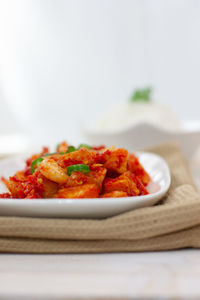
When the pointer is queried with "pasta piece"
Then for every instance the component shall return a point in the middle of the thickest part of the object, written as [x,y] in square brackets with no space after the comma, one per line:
[83,191]
[77,179]
[114,194]
[115,160]
[123,183]
[62,147]
[81,156]
[135,167]
[16,188]
[50,188]
[97,174]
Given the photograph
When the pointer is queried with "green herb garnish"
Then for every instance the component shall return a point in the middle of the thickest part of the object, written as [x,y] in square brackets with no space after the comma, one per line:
[84,146]
[142,95]
[49,154]
[57,147]
[71,149]
[35,163]
[81,168]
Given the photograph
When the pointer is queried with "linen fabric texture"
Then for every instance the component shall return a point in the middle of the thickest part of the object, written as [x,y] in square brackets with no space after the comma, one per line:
[173,223]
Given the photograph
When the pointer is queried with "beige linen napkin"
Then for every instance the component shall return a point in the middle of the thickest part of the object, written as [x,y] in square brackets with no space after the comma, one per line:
[172,224]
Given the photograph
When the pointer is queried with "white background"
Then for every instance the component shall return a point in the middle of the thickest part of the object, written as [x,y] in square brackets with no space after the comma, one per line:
[66,61]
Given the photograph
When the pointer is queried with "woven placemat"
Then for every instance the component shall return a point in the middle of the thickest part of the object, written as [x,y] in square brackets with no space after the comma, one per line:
[172,224]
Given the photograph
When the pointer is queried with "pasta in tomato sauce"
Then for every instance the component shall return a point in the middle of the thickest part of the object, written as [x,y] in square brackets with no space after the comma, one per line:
[82,172]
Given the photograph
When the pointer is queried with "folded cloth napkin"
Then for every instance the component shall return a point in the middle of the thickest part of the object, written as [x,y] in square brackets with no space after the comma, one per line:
[172,224]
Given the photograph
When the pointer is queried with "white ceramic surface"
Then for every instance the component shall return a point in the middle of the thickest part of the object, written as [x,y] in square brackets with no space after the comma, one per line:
[86,208]
[144,135]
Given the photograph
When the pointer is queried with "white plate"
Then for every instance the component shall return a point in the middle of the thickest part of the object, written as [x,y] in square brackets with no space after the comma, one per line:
[85,208]
[12,144]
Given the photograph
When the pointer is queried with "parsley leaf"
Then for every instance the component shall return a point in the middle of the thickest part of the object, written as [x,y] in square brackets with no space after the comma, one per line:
[142,95]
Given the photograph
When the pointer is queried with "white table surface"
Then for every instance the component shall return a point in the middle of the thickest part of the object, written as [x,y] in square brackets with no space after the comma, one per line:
[158,275]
